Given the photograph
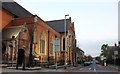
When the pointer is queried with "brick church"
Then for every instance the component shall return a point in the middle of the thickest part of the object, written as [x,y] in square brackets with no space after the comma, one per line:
[26,38]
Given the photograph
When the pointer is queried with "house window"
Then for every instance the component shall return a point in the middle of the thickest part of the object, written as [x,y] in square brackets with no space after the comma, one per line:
[42,43]
[51,46]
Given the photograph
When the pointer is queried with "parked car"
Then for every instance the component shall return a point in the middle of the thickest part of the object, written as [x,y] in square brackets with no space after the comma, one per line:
[87,63]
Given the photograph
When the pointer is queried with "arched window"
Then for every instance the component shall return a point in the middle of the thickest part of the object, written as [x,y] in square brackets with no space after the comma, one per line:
[51,46]
[42,43]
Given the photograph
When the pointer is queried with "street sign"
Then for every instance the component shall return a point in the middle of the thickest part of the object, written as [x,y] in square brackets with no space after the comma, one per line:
[57,48]
[57,45]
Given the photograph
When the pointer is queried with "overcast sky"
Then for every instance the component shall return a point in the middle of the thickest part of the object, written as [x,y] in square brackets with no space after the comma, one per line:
[96,21]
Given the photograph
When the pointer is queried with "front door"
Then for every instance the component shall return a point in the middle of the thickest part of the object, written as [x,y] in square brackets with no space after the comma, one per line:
[20,58]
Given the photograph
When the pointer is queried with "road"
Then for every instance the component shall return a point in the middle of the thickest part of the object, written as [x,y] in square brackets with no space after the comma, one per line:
[98,68]
[91,69]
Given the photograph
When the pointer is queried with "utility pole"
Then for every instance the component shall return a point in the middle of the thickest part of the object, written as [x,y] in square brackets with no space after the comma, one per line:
[56,60]
[65,42]
[48,48]
[115,54]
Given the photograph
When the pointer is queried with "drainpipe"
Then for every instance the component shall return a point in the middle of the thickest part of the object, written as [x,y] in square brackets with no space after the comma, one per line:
[56,55]
[30,55]
[13,48]
[31,42]
[48,47]
[31,49]
[18,49]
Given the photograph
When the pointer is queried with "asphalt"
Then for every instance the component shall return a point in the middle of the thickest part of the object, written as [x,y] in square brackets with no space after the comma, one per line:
[97,68]
[91,69]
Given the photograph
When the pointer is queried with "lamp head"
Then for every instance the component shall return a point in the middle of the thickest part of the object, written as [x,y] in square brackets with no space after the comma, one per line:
[67,15]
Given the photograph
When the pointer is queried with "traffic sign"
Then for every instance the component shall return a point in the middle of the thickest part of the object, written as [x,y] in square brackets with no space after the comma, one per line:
[57,45]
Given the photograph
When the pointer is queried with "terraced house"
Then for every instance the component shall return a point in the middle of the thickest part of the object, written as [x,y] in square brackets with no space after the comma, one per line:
[26,38]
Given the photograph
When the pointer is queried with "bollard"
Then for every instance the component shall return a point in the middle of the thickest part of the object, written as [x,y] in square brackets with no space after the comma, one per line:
[105,64]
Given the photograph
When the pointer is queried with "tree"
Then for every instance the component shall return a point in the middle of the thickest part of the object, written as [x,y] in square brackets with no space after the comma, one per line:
[104,50]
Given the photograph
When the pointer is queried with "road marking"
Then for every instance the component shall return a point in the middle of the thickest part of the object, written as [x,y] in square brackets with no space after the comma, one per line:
[89,68]
[95,70]
[81,69]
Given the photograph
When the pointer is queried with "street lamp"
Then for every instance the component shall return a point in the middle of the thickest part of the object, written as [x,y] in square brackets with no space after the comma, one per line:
[65,40]
[115,54]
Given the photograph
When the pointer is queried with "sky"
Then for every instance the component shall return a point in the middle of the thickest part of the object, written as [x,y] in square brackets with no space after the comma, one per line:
[96,21]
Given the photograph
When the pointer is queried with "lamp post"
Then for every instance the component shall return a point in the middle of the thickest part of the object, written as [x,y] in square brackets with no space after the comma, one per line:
[115,54]
[65,41]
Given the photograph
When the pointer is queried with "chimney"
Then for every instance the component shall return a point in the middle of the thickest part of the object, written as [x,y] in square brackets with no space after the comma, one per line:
[13,37]
[70,18]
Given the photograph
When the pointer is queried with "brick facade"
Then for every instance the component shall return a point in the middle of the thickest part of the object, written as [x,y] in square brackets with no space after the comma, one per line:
[34,39]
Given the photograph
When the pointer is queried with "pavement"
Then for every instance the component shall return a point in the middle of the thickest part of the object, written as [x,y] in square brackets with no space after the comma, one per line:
[3,65]
[115,66]
[91,69]
[27,68]
[38,69]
